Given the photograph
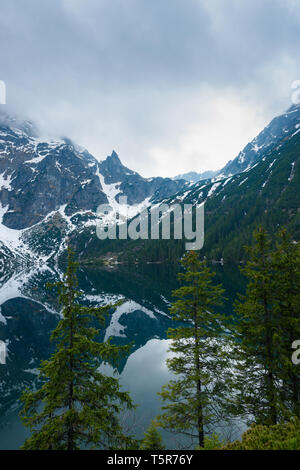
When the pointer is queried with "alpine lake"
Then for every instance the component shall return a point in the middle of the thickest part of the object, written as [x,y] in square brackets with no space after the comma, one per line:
[29,312]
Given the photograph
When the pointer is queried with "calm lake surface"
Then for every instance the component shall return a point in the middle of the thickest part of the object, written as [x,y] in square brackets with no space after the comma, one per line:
[29,312]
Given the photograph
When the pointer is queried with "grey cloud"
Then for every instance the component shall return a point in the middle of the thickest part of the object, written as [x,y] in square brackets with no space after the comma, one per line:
[124,73]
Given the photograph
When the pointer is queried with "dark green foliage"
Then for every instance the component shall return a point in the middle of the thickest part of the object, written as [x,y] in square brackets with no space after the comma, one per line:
[195,400]
[278,437]
[152,438]
[212,443]
[267,382]
[286,269]
[270,197]
[77,406]
[258,381]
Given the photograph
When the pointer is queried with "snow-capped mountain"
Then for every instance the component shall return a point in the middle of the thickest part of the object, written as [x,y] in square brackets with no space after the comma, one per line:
[279,129]
[265,193]
[50,186]
[113,174]
[194,177]
[51,189]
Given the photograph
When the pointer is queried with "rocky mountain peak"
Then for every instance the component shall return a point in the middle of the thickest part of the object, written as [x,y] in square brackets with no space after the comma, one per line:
[113,169]
[115,157]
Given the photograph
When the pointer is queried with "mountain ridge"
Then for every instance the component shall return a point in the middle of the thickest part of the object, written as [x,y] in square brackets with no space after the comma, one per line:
[50,191]
[279,128]
[265,193]
[39,176]
[49,187]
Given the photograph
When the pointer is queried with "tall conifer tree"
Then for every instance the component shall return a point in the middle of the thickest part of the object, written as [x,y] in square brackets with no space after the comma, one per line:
[286,269]
[77,406]
[196,398]
[152,438]
[260,327]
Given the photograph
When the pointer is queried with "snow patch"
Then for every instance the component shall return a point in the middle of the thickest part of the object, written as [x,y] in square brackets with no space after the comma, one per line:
[244,181]
[126,211]
[115,328]
[292,171]
[5,183]
[213,189]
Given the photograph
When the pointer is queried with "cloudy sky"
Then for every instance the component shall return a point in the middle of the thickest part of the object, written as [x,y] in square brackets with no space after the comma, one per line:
[171,85]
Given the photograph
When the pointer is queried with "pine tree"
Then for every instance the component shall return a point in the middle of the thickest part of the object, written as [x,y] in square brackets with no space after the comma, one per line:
[196,398]
[257,330]
[286,268]
[76,406]
[152,438]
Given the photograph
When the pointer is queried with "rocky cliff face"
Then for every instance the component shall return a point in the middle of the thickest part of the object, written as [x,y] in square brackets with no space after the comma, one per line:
[40,176]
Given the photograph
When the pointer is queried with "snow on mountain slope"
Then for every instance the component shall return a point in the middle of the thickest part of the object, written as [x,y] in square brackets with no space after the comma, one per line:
[279,129]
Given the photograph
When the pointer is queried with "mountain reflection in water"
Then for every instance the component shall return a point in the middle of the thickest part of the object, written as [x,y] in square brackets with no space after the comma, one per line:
[29,312]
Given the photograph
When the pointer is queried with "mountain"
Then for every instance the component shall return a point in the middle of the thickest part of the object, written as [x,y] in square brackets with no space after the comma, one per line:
[132,185]
[49,187]
[50,191]
[265,193]
[194,177]
[279,129]
[39,176]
